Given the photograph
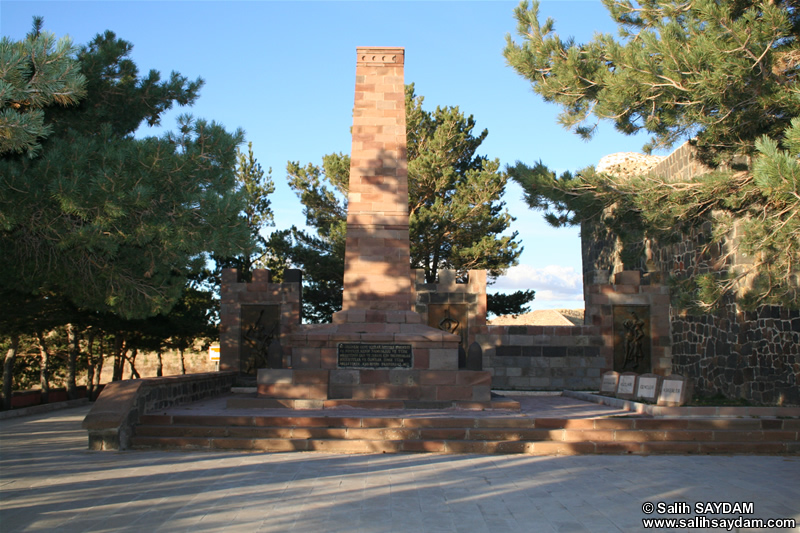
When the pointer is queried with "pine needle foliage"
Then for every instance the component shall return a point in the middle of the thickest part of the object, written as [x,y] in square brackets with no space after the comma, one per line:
[720,72]
[35,73]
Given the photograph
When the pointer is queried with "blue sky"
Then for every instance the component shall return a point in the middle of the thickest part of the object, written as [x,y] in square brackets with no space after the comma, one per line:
[285,73]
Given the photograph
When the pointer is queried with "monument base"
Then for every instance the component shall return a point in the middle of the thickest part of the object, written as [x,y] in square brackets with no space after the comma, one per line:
[357,358]
[440,387]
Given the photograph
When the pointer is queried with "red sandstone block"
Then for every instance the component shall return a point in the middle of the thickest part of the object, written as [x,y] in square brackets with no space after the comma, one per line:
[306,358]
[767,423]
[319,433]
[791,424]
[738,436]
[462,446]
[792,447]
[337,446]
[281,390]
[364,392]
[209,420]
[660,423]
[467,377]
[172,442]
[439,423]
[594,435]
[328,358]
[641,435]
[778,435]
[618,447]
[660,448]
[272,421]
[402,392]
[422,358]
[613,423]
[559,448]
[705,423]
[505,447]
[742,447]
[453,392]
[310,377]
[155,419]
[427,392]
[438,377]
[577,423]
[423,446]
[381,422]
[372,377]
[627,289]
[511,423]
[257,432]
[557,423]
[311,421]
[338,392]
[697,411]
[698,435]
[384,446]
[175,431]
[628,277]
[280,445]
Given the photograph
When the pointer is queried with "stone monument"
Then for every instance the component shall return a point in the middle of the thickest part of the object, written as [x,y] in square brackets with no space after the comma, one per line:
[377,349]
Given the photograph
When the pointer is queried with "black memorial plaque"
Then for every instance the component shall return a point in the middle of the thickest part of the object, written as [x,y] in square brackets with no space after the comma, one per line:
[356,355]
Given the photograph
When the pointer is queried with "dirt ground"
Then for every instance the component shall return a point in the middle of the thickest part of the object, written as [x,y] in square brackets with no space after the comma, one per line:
[542,317]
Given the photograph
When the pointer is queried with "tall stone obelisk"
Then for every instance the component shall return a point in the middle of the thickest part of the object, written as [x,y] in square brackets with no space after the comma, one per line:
[377,257]
[377,352]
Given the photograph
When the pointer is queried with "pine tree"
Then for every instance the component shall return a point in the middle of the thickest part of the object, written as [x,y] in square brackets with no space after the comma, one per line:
[457,217]
[720,72]
[35,73]
[113,223]
[256,186]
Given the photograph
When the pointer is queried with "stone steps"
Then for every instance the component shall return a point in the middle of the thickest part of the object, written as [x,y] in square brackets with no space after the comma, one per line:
[465,434]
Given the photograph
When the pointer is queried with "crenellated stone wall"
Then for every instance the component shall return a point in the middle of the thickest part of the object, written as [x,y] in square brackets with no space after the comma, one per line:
[456,304]
[254,313]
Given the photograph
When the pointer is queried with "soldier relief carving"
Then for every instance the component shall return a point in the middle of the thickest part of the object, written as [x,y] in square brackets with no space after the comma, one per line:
[632,338]
[634,342]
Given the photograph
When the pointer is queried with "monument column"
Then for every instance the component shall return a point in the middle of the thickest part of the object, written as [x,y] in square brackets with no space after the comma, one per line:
[377,352]
[377,257]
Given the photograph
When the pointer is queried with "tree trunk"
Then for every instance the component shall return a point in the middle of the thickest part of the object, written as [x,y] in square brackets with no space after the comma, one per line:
[98,371]
[8,372]
[160,367]
[132,361]
[183,362]
[90,366]
[74,349]
[44,374]
[119,358]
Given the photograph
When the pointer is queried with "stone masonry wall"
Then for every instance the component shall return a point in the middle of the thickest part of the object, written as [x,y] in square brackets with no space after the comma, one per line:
[753,355]
[543,357]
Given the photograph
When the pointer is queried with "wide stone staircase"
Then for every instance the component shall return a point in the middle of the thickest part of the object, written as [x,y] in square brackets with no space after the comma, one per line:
[461,432]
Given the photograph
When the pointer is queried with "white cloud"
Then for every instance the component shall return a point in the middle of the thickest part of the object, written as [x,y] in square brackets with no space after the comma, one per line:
[551,283]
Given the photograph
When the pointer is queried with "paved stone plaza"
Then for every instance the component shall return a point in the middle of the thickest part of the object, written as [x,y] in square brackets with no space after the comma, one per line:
[50,482]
